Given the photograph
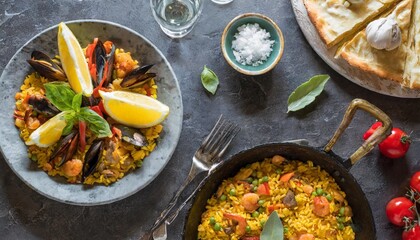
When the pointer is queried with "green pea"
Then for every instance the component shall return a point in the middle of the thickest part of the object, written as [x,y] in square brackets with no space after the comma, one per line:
[250,180]
[232,192]
[255,188]
[262,222]
[341,219]
[255,214]
[329,197]
[319,191]
[260,181]
[248,229]
[285,230]
[255,182]
[340,226]
[212,220]
[261,202]
[223,197]
[254,174]
[341,211]
[279,171]
[217,227]
[261,210]
[265,179]
[314,193]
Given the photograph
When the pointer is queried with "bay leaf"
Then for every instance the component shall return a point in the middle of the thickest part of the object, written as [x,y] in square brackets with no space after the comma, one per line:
[273,228]
[306,92]
[209,80]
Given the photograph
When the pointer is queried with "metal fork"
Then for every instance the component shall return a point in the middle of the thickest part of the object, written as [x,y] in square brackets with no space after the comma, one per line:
[205,159]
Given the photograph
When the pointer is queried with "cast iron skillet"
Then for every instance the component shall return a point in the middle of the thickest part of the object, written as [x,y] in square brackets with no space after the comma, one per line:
[337,167]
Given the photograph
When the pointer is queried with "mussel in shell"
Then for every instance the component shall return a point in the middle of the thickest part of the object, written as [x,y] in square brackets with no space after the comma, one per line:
[66,148]
[104,64]
[90,101]
[92,158]
[138,77]
[41,105]
[132,135]
[46,67]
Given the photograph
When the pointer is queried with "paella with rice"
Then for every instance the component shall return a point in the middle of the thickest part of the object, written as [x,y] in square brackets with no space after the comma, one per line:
[94,131]
[307,199]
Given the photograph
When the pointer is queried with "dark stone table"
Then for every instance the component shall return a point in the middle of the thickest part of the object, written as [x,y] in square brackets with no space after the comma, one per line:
[259,104]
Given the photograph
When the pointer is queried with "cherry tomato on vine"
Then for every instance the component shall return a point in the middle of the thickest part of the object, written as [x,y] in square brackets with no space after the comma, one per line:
[411,234]
[415,181]
[395,145]
[397,209]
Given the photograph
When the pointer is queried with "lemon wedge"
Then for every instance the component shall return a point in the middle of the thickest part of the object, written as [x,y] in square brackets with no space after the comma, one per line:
[134,109]
[73,61]
[49,132]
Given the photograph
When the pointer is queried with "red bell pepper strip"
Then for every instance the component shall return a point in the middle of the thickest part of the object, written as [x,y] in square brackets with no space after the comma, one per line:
[82,136]
[101,106]
[263,189]
[89,51]
[116,132]
[286,177]
[97,109]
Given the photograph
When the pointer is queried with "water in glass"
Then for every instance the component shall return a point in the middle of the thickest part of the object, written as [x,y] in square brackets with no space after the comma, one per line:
[176,17]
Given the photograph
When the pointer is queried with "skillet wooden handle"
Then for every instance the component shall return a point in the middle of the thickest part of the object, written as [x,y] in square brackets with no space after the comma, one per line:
[378,136]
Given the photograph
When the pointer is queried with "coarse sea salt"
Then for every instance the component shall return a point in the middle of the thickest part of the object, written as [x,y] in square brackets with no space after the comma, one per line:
[252,45]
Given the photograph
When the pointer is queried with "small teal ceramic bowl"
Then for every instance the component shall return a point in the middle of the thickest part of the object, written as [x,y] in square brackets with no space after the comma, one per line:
[265,23]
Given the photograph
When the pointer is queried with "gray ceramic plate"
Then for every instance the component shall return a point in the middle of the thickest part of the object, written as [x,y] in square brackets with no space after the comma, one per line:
[15,152]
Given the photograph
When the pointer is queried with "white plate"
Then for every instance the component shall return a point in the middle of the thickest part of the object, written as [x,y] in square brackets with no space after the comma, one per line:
[15,151]
[361,78]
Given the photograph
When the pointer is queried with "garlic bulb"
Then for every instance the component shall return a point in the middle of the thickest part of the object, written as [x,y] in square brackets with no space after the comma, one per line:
[384,33]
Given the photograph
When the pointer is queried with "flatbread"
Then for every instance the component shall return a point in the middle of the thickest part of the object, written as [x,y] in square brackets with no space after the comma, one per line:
[334,21]
[412,67]
[386,64]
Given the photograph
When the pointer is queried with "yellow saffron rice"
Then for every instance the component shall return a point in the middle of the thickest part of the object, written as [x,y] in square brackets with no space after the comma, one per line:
[307,183]
[127,155]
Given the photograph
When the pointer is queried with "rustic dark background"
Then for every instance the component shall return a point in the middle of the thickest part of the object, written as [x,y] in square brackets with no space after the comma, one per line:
[259,104]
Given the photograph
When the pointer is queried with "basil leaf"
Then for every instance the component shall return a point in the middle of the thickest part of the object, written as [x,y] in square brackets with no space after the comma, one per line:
[306,92]
[97,124]
[77,102]
[273,228]
[60,95]
[70,117]
[209,80]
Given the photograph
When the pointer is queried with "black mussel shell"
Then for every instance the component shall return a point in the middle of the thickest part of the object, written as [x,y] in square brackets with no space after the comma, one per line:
[92,158]
[138,75]
[46,67]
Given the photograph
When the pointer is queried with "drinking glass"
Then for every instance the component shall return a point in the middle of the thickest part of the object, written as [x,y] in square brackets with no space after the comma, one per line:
[222,1]
[176,18]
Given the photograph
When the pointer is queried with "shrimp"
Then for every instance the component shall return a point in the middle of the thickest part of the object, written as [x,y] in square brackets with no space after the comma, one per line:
[307,189]
[321,206]
[124,64]
[243,174]
[306,236]
[277,160]
[241,227]
[73,167]
[337,196]
[250,201]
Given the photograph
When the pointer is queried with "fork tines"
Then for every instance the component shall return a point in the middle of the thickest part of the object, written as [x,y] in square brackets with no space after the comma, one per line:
[220,137]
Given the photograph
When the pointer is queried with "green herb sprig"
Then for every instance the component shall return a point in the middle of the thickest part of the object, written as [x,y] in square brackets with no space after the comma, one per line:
[209,80]
[65,99]
[306,92]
